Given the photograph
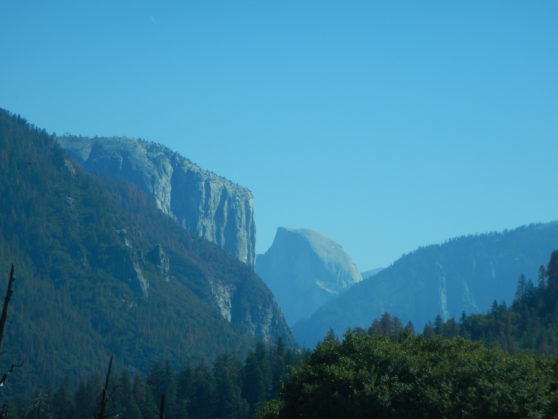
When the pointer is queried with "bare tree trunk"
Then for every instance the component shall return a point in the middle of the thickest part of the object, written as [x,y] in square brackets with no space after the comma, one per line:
[104,396]
[3,319]
[162,407]
[7,298]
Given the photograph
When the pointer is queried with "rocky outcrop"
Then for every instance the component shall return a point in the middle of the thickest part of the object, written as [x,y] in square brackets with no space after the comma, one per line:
[202,202]
[305,269]
[161,260]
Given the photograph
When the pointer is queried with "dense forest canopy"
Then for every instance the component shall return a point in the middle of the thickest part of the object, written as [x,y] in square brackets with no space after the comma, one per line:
[225,388]
[367,376]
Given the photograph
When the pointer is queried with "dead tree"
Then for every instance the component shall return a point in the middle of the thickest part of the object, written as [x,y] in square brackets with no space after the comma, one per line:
[162,407]
[3,319]
[7,298]
[105,397]
[7,373]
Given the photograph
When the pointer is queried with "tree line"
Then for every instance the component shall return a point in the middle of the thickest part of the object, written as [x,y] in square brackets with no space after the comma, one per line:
[227,388]
[378,376]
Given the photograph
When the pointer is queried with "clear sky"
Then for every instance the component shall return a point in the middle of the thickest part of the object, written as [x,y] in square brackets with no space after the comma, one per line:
[386,125]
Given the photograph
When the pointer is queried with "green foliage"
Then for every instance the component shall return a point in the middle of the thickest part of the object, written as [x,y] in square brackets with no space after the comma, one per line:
[414,377]
[270,410]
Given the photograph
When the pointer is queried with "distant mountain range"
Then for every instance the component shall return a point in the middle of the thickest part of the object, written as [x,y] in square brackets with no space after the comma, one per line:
[305,269]
[462,275]
[370,273]
[102,270]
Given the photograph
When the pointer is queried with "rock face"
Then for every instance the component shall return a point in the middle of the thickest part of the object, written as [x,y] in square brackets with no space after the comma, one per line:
[464,274]
[304,269]
[202,202]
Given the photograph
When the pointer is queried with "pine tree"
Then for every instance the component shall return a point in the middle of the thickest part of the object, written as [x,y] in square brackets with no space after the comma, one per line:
[62,401]
[202,393]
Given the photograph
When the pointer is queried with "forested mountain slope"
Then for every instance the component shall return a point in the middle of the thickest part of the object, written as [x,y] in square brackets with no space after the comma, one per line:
[103,272]
[462,275]
[529,323]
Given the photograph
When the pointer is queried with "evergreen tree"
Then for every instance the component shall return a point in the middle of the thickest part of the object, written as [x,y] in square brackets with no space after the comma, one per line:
[162,382]
[62,402]
[552,272]
[143,397]
[256,377]
[229,401]
[202,393]
[123,397]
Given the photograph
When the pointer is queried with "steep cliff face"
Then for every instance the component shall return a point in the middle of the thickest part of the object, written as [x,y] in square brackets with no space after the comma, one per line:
[305,269]
[203,203]
[230,287]
[465,274]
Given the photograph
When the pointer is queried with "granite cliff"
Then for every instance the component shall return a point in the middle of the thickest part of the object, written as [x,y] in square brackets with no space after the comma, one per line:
[202,202]
[305,269]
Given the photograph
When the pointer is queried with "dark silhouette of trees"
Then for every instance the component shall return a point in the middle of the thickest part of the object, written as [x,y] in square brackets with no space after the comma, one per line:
[223,389]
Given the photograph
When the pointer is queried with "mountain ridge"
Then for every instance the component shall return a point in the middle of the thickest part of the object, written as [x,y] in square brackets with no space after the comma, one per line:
[463,274]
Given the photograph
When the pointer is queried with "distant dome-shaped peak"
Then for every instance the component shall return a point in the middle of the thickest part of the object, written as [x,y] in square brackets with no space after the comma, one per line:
[325,247]
[305,268]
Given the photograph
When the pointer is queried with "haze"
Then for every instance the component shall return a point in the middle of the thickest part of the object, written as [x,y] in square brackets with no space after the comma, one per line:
[384,125]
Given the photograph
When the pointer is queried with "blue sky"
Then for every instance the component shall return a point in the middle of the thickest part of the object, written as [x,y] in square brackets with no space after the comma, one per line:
[386,125]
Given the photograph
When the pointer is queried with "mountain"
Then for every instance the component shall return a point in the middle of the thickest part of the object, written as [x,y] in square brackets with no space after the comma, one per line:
[370,273]
[530,323]
[305,269]
[101,270]
[202,202]
[462,275]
